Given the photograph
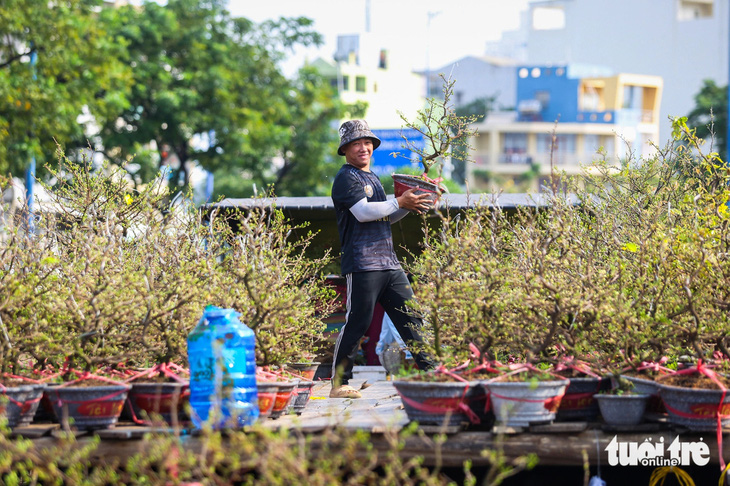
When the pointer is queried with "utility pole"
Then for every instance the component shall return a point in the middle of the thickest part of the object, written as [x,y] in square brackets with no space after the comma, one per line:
[429,17]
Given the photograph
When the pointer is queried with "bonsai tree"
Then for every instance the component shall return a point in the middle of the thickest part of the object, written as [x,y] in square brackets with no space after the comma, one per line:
[280,293]
[461,285]
[444,132]
[125,282]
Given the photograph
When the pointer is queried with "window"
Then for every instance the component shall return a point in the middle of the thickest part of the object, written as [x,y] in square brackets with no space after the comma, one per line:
[515,149]
[694,9]
[591,144]
[345,83]
[564,143]
[360,84]
[544,98]
[548,18]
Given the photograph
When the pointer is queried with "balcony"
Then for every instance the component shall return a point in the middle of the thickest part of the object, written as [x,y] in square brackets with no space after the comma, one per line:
[634,116]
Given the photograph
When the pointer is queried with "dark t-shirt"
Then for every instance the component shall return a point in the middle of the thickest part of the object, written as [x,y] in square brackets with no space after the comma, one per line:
[365,246]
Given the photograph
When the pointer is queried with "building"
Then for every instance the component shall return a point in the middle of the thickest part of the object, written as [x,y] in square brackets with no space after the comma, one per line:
[477,77]
[565,115]
[363,70]
[682,41]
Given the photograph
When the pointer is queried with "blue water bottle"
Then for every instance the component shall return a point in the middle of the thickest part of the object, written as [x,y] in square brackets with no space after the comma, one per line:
[221,354]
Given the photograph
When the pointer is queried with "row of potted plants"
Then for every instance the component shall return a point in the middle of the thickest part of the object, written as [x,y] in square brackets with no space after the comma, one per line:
[155,396]
[114,280]
[622,266]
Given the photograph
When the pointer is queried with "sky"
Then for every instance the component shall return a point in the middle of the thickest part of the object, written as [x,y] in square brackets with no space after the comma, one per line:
[435,32]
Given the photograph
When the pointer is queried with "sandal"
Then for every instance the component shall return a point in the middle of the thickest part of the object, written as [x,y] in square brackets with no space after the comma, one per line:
[345,391]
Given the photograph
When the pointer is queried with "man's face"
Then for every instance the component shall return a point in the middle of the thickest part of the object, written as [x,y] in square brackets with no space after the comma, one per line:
[358,153]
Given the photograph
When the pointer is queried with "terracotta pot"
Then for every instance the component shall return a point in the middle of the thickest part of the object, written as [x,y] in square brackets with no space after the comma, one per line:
[404,182]
[163,400]
[283,397]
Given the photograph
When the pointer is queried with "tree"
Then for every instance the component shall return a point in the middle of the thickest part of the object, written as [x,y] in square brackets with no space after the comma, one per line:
[55,61]
[209,87]
[709,116]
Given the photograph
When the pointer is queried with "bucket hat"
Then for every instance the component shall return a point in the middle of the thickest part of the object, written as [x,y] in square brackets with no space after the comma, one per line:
[355,130]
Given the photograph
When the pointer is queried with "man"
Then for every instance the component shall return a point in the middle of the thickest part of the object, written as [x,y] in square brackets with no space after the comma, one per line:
[372,271]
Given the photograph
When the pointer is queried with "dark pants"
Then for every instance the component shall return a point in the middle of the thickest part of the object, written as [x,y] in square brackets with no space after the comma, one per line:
[391,289]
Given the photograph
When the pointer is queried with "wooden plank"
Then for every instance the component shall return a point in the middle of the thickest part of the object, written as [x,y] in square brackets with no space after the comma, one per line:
[559,428]
[34,431]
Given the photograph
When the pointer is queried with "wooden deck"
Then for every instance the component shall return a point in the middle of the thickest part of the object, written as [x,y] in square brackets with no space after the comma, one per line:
[380,410]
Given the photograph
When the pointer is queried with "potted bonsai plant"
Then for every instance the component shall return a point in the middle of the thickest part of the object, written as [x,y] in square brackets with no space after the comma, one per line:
[444,133]
[621,405]
[281,295]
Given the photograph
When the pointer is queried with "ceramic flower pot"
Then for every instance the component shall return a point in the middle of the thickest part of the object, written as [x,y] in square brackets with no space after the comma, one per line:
[578,402]
[522,403]
[651,388]
[626,409]
[695,408]
[267,391]
[19,403]
[284,393]
[441,403]
[305,370]
[88,407]
[299,401]
[404,182]
[163,400]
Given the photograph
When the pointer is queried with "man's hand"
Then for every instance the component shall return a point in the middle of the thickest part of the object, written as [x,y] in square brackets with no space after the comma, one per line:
[414,202]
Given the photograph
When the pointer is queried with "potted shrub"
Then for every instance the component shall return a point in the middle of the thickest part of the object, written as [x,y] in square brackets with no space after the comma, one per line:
[622,405]
[444,133]
[281,294]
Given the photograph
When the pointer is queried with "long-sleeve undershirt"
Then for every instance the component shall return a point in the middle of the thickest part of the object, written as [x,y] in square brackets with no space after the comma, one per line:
[366,211]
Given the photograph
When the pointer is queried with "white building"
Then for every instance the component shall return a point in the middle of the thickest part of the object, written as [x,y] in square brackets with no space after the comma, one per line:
[682,41]
[364,70]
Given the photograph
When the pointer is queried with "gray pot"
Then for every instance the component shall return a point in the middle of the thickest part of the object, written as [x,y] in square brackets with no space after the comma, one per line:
[578,402]
[649,387]
[694,408]
[300,400]
[521,403]
[283,397]
[19,403]
[266,392]
[88,407]
[625,409]
[438,403]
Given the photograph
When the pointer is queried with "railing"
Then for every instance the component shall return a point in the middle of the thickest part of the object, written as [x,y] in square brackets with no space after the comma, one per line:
[521,161]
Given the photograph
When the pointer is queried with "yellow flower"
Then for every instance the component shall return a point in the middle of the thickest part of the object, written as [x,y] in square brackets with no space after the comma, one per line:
[632,247]
[128,199]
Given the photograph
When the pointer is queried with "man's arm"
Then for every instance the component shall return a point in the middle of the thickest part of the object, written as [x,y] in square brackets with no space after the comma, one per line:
[397,208]
[365,211]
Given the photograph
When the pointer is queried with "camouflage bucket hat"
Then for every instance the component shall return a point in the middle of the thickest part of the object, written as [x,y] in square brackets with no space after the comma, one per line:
[355,130]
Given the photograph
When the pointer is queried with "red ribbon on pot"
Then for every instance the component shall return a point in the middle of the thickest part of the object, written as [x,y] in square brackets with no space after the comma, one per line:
[701,368]
[460,407]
